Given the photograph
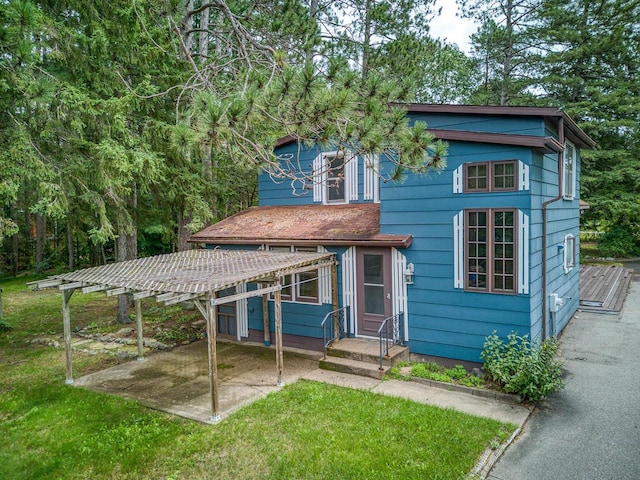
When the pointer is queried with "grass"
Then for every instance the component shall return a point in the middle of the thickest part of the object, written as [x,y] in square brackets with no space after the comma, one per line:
[435,371]
[307,430]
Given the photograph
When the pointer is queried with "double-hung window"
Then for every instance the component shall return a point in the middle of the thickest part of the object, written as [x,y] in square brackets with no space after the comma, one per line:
[491,176]
[490,250]
[569,171]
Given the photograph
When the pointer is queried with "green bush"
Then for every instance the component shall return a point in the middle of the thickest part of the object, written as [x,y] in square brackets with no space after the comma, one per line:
[518,366]
[619,241]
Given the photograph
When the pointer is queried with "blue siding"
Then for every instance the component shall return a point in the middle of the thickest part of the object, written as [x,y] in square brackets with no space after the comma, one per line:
[445,321]
[485,123]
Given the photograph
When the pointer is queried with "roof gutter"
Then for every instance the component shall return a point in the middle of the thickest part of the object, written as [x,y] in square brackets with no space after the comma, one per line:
[545,206]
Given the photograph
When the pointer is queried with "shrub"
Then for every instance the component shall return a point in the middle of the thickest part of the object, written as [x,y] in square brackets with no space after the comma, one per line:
[619,241]
[518,366]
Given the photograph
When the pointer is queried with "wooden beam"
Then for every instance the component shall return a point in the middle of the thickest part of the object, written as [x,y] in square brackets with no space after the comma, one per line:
[279,352]
[334,301]
[139,333]
[265,320]
[201,308]
[48,283]
[308,268]
[66,324]
[71,286]
[95,288]
[117,291]
[141,295]
[252,293]
[212,329]
[181,298]
[165,296]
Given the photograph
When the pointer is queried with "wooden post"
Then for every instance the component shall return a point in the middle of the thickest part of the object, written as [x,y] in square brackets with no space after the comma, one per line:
[265,320]
[278,321]
[139,329]
[66,323]
[334,301]
[212,330]
[0,304]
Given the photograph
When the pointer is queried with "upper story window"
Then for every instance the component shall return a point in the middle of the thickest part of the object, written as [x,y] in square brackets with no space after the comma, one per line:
[569,171]
[491,176]
[335,184]
[335,177]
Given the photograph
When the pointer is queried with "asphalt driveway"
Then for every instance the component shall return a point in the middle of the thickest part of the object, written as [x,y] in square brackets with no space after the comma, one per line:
[590,430]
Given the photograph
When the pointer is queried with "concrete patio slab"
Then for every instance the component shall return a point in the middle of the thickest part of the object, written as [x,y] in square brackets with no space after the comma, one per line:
[177,381]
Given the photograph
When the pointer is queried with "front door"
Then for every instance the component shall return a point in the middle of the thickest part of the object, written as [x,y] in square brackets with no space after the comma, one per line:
[374,289]
[226,313]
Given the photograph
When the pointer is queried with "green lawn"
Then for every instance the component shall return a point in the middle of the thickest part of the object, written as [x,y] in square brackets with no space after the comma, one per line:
[307,430]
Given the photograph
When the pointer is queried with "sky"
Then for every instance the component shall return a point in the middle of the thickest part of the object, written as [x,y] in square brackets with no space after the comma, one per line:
[449,27]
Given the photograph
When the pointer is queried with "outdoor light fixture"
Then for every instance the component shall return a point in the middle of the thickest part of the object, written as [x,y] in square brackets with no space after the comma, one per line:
[408,274]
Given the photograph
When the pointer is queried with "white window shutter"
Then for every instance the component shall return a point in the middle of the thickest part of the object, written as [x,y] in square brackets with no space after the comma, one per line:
[457,180]
[400,298]
[324,281]
[458,250]
[523,253]
[349,285]
[319,178]
[242,313]
[351,174]
[523,176]
[372,178]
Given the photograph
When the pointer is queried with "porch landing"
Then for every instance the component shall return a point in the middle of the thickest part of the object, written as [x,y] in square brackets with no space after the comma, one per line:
[361,356]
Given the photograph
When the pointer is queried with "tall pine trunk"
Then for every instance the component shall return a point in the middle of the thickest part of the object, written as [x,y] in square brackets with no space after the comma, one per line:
[126,248]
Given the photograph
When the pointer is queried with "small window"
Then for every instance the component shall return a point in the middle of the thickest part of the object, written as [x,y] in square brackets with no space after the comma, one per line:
[569,253]
[490,177]
[569,171]
[336,181]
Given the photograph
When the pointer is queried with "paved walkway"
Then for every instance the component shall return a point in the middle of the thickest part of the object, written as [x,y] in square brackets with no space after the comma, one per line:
[590,430]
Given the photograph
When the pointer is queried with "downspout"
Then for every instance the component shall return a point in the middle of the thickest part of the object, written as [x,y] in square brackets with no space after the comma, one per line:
[544,227]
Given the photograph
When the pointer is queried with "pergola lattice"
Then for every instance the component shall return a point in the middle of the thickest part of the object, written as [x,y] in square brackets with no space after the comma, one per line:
[194,275]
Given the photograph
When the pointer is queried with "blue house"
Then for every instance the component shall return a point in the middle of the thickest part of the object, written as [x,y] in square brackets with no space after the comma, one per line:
[489,243]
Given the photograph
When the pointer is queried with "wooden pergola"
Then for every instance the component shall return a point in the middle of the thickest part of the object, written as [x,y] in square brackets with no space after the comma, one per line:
[197,276]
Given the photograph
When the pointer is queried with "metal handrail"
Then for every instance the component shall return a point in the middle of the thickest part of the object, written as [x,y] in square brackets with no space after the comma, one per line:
[389,334]
[341,319]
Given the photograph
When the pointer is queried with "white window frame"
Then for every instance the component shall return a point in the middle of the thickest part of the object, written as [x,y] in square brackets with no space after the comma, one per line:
[569,161]
[522,264]
[323,279]
[323,179]
[522,178]
[569,260]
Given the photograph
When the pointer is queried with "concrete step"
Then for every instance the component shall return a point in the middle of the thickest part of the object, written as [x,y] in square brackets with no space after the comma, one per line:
[354,367]
[367,350]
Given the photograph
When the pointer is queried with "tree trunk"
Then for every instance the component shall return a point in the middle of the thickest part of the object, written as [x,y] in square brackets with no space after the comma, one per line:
[41,238]
[203,45]
[126,248]
[70,246]
[366,42]
[183,233]
[15,245]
